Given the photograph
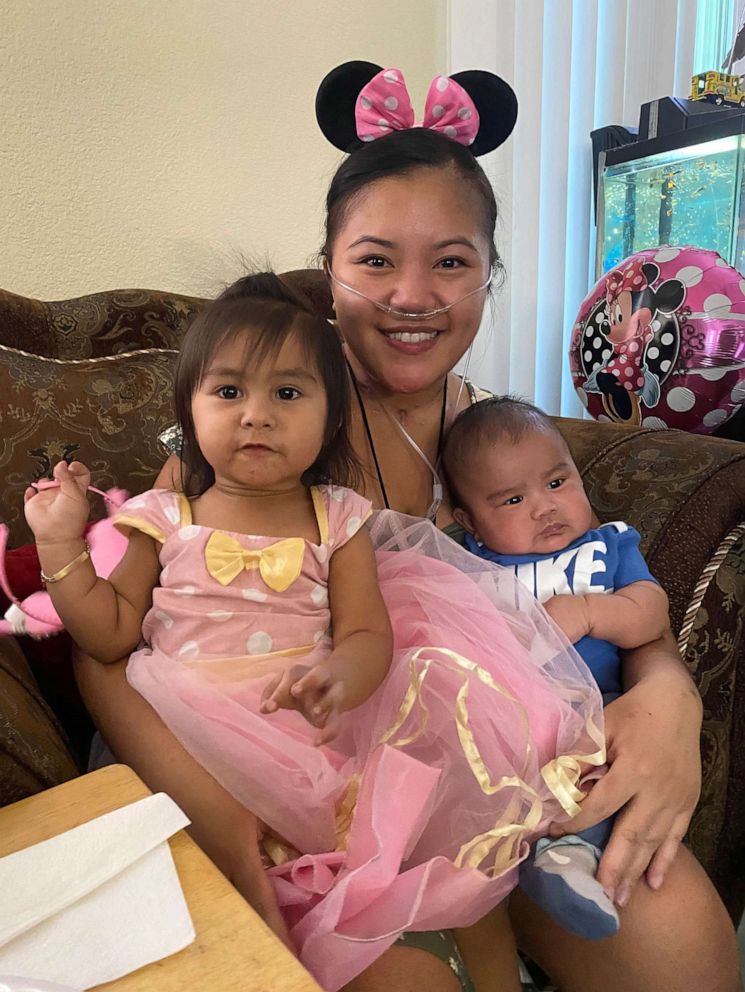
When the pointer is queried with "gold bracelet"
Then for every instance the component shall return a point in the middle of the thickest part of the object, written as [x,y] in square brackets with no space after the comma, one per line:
[69,567]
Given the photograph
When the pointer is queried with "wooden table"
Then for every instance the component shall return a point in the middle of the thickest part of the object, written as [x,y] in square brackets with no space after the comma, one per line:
[234,950]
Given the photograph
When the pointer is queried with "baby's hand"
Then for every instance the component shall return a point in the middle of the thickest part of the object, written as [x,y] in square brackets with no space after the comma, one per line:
[570,613]
[314,691]
[58,511]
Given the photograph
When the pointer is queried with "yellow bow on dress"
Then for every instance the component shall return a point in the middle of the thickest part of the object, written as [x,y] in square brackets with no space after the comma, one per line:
[279,564]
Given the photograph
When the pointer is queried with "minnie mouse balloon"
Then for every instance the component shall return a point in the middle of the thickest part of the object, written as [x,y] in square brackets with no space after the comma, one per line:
[660,341]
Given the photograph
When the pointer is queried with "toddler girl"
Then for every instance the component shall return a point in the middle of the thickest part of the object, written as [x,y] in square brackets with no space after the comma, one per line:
[266,638]
[521,501]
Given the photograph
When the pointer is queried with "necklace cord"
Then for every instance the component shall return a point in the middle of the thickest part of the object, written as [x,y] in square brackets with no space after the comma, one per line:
[437,484]
[365,421]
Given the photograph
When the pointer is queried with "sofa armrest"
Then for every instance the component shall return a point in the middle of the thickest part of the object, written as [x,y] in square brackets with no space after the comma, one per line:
[34,750]
[685,494]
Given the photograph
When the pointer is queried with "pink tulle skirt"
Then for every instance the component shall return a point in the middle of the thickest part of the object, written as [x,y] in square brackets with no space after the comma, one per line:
[419,812]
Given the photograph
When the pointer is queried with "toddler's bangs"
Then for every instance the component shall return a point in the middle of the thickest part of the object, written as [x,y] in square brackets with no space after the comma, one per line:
[264,330]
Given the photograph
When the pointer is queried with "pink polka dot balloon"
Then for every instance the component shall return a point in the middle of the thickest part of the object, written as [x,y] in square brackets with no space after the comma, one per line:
[660,341]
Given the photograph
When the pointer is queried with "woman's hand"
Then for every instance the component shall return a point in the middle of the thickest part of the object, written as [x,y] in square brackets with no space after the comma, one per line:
[315,691]
[58,512]
[654,779]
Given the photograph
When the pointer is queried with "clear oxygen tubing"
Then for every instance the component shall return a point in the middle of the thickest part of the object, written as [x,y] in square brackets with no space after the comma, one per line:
[422,315]
[437,487]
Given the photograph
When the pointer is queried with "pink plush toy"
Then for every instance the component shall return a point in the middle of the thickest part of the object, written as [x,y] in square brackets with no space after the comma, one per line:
[36,616]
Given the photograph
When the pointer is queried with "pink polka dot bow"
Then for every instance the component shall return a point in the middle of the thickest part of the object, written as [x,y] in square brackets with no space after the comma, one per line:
[384,105]
[629,279]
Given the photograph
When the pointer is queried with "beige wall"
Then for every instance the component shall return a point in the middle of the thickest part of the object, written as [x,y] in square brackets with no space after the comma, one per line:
[153,143]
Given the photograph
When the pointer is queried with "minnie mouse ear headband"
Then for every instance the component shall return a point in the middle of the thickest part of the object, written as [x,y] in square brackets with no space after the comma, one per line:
[359,101]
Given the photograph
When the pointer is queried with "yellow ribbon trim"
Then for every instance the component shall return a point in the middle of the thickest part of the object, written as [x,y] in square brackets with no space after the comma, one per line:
[322,517]
[279,564]
[503,842]
[184,509]
[413,695]
[561,774]
[137,523]
[242,667]
[502,845]
[345,811]
[276,851]
[467,740]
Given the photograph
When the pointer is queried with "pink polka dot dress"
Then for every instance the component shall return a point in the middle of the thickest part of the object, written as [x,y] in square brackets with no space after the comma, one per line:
[626,361]
[417,815]
[196,615]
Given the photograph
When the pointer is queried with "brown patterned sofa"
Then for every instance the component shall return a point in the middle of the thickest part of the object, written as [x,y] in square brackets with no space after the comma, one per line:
[93,376]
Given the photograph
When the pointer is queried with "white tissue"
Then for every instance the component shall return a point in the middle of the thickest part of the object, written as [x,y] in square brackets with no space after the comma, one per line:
[96,902]
[11,983]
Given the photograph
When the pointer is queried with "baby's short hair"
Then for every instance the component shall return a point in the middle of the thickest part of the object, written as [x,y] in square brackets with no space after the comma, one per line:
[487,422]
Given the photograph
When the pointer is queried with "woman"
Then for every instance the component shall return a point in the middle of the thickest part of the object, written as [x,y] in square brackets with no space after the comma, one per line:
[410,232]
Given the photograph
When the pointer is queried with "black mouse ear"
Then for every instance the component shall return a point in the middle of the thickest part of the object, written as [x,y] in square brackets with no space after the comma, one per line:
[670,295]
[336,99]
[496,103]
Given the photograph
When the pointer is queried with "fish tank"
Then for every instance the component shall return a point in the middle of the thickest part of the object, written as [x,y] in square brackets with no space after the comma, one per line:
[684,188]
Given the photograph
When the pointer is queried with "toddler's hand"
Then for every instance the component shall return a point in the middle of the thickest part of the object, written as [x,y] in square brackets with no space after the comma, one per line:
[570,613]
[314,691]
[58,512]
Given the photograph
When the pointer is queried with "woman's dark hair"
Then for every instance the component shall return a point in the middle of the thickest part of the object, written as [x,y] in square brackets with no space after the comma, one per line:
[487,422]
[399,154]
[267,312]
